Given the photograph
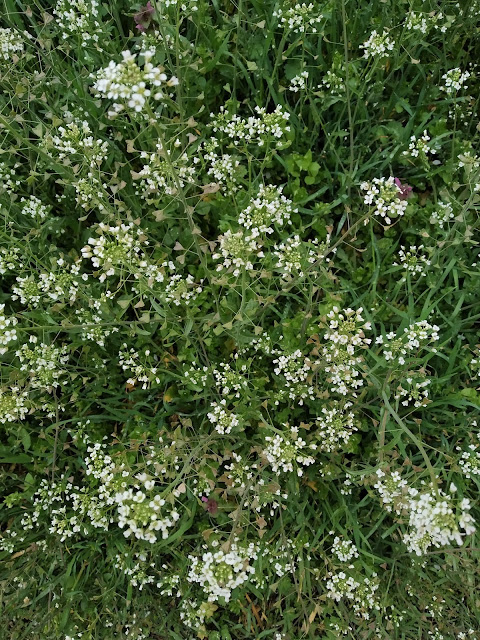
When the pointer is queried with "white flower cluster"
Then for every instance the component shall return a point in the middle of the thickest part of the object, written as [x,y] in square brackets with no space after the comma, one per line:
[345,338]
[11,42]
[269,207]
[78,18]
[198,377]
[13,405]
[168,583]
[132,85]
[423,22]
[50,287]
[8,333]
[161,41]
[454,80]
[193,613]
[34,207]
[117,247]
[434,521]
[219,572]
[44,363]
[256,492]
[335,427]
[469,461]
[392,489]
[334,82]
[252,130]
[8,178]
[345,550]
[138,367]
[287,451]
[416,392]
[463,635]
[135,567]
[142,516]
[179,289]
[238,251]
[223,167]
[76,138]
[190,5]
[281,557]
[149,274]
[461,110]
[261,345]
[10,260]
[470,163]
[229,381]
[239,472]
[299,82]
[442,214]
[296,371]
[413,261]
[90,192]
[55,498]
[223,419]
[384,195]
[418,335]
[358,593]
[160,176]
[419,147]
[299,18]
[377,45]
[291,256]
[93,322]
[108,487]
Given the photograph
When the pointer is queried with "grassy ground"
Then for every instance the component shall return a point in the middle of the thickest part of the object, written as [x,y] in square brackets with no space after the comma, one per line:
[239,320]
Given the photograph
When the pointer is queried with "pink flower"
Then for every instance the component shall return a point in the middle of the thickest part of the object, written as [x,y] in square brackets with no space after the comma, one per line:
[405,190]
[144,17]
[211,505]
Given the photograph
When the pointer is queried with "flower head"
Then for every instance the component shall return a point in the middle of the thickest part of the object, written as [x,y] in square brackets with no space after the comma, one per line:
[144,16]
[405,190]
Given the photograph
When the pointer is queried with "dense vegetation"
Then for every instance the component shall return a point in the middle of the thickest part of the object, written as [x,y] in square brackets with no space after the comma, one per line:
[239,311]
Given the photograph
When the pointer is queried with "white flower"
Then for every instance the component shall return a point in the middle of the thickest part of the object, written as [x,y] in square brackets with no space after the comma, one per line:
[131,85]
[299,82]
[442,214]
[34,208]
[454,80]
[284,452]
[384,195]
[219,572]
[11,42]
[377,45]
[223,419]
[345,550]
[418,147]
[238,251]
[335,427]
[269,207]
[252,130]
[413,261]
[79,18]
[299,18]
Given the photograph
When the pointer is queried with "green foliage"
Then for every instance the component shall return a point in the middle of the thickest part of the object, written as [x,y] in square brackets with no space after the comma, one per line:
[239,320]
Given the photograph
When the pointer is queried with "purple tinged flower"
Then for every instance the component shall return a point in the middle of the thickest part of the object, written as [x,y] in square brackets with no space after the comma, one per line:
[144,17]
[211,505]
[405,190]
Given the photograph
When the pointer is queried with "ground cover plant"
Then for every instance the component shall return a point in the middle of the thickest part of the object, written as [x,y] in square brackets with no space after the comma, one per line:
[239,262]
